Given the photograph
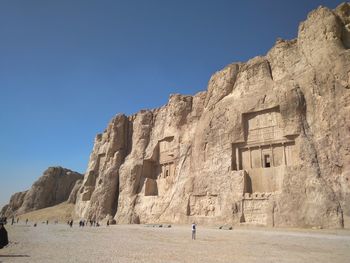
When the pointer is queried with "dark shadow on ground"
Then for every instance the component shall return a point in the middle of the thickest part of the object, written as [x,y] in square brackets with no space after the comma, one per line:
[14,256]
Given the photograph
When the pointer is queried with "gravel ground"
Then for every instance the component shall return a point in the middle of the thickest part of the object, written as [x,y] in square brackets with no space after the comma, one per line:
[137,243]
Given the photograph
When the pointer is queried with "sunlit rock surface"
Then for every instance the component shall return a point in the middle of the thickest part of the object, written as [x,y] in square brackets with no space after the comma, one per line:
[268,143]
[52,188]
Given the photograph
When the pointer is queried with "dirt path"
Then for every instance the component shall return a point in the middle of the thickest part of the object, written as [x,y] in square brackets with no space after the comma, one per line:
[137,243]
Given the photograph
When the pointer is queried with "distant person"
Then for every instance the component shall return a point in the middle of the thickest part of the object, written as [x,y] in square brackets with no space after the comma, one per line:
[17,220]
[47,222]
[12,221]
[27,221]
[193,231]
[107,222]
[71,223]
[3,236]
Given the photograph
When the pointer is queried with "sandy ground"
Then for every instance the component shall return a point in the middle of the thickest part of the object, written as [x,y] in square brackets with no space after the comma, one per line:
[62,212]
[137,243]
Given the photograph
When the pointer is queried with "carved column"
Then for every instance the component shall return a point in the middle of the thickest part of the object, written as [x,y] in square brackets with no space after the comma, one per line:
[261,158]
[250,158]
[284,154]
[272,157]
[237,158]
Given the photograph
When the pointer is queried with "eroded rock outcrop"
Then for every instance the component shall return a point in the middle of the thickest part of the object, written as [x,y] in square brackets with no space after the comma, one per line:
[73,194]
[52,188]
[15,203]
[267,144]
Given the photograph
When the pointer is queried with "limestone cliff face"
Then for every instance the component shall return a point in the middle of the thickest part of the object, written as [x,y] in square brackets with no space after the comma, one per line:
[101,184]
[268,143]
[15,203]
[52,188]
[73,194]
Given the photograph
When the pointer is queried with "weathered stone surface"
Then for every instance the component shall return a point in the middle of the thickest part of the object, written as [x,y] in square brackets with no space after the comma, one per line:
[267,144]
[15,203]
[4,210]
[98,196]
[52,188]
[73,194]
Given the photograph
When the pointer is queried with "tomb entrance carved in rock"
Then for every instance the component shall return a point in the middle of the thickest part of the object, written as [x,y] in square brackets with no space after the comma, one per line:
[265,154]
[157,169]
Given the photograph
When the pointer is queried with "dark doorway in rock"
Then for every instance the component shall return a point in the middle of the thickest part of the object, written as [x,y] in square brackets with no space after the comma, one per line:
[267,161]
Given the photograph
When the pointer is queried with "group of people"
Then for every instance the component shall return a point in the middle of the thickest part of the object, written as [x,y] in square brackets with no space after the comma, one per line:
[13,221]
[83,223]
[93,222]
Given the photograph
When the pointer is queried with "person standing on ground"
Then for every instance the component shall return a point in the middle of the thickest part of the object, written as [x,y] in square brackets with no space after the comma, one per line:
[193,231]
[3,236]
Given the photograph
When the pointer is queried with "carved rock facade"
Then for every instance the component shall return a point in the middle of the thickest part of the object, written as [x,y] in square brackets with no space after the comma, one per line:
[267,144]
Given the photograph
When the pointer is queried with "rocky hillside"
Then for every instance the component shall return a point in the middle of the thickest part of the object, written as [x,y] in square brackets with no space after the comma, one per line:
[268,143]
[52,188]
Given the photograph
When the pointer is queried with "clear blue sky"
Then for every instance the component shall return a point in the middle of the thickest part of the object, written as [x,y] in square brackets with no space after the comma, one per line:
[67,67]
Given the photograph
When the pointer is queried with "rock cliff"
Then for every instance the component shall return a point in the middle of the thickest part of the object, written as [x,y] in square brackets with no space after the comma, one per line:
[52,188]
[268,143]
[73,194]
